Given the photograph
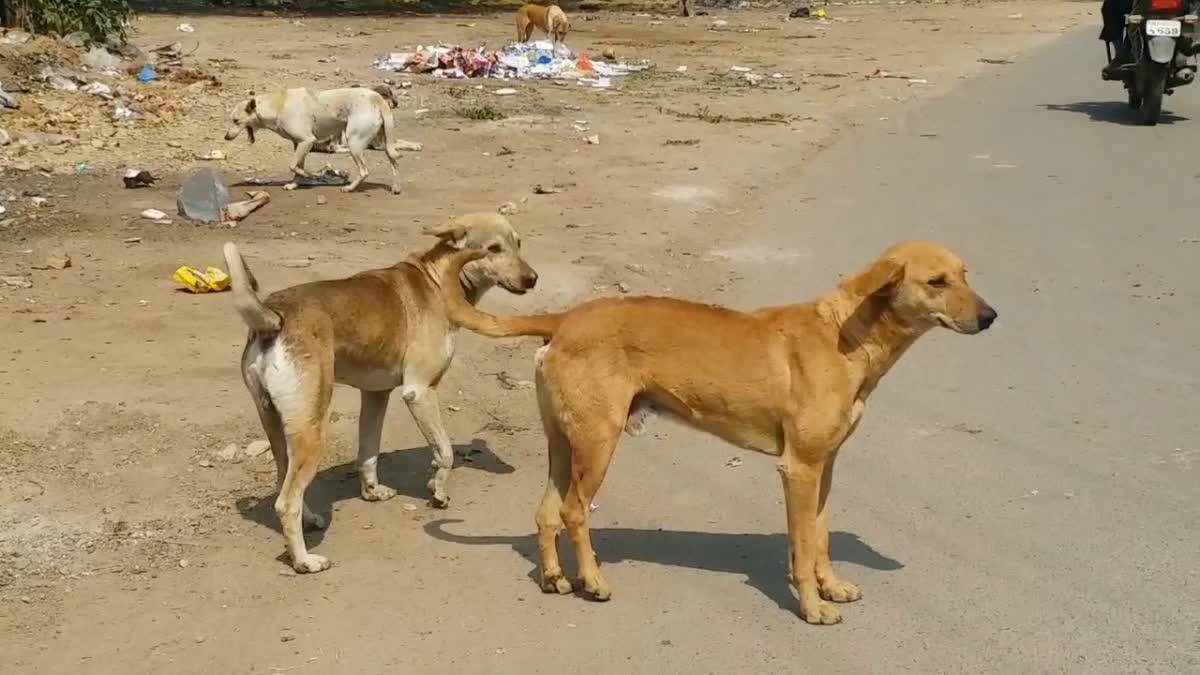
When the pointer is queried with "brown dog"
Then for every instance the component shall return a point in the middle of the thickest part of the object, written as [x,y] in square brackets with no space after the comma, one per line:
[787,381]
[376,331]
[551,20]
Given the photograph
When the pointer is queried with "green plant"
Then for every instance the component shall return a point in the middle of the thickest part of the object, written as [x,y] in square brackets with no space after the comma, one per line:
[484,112]
[100,19]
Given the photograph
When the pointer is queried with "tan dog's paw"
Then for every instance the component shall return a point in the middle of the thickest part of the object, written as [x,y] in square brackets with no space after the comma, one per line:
[597,589]
[840,591]
[311,564]
[311,522]
[377,493]
[821,614]
[556,583]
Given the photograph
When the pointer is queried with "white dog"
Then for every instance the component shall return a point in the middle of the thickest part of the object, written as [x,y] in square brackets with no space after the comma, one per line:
[358,115]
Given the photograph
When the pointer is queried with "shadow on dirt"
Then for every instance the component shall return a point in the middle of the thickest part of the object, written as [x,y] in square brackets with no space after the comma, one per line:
[762,558]
[405,471]
[1111,112]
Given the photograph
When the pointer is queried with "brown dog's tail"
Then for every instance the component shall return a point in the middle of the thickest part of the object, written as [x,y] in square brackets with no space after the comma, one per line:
[260,318]
[463,313]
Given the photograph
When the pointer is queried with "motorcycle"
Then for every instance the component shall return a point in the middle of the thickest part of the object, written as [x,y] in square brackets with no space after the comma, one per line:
[1159,37]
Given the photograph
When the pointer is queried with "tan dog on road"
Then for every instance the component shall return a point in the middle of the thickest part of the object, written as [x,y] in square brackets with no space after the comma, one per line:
[550,20]
[376,331]
[356,115]
[787,381]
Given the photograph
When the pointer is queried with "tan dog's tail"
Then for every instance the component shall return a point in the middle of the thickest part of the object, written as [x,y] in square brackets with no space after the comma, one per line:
[259,317]
[463,313]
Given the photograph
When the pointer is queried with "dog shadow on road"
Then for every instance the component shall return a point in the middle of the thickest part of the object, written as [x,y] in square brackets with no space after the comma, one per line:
[762,558]
[405,471]
[1111,112]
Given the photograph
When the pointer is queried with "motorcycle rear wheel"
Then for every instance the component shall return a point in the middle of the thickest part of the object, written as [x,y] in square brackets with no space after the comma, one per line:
[1153,85]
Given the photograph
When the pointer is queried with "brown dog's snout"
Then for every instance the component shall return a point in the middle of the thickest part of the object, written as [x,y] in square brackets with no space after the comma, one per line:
[986,317]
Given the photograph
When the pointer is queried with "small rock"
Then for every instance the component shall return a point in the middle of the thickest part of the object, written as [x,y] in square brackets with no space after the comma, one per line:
[132,240]
[155,215]
[183,564]
[593,139]
[322,200]
[205,464]
[5,139]
[508,209]
[257,448]
[26,599]
[297,262]
[734,463]
[505,92]
[174,144]
[228,452]
[609,53]
[623,287]
[16,282]
[40,202]
[410,507]
[58,261]
[199,639]
[286,638]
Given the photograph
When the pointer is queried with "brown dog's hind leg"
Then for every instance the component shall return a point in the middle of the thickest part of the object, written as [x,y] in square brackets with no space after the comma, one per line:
[549,516]
[305,448]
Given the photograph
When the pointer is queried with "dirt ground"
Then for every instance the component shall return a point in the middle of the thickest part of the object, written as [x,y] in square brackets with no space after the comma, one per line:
[127,543]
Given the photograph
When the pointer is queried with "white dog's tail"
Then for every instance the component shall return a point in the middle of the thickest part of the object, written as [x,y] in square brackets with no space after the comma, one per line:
[389,128]
[260,318]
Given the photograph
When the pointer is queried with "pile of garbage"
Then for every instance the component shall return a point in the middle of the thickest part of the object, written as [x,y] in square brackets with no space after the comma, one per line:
[519,61]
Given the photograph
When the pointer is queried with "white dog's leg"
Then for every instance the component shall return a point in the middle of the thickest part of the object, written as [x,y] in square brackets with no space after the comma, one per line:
[302,149]
[423,404]
[393,155]
[370,429]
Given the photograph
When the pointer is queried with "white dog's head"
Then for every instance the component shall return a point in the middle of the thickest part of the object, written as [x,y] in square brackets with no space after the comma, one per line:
[244,116]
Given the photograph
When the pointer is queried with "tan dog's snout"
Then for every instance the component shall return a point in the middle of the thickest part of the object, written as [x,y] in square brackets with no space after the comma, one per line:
[986,317]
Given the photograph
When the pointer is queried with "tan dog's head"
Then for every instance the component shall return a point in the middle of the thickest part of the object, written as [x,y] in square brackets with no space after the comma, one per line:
[557,22]
[925,285]
[495,236]
[243,116]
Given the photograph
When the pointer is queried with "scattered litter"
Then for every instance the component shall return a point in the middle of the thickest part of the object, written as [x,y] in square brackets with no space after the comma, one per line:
[185,28]
[1016,16]
[880,73]
[15,37]
[505,92]
[800,13]
[997,62]
[229,452]
[322,200]
[327,59]
[7,100]
[122,113]
[137,178]
[211,280]
[99,60]
[296,263]
[623,287]
[40,202]
[410,507]
[202,197]
[719,23]
[212,156]
[98,89]
[61,83]
[684,141]
[509,382]
[740,69]
[681,69]
[539,189]
[508,209]
[132,240]
[734,462]
[593,139]
[147,73]
[917,80]
[157,216]
[256,448]
[16,282]
[1004,166]
[237,211]
[540,59]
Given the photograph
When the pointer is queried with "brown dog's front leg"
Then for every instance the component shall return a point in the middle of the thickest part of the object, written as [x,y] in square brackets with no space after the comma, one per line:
[832,588]
[801,491]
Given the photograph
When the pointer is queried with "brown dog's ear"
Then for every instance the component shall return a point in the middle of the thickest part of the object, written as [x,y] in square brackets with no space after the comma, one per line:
[451,233]
[879,279]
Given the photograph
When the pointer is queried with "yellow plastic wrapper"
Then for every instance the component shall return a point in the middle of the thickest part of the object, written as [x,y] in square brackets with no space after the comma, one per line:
[211,280]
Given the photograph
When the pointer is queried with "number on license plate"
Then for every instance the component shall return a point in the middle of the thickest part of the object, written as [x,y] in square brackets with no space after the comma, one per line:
[1160,28]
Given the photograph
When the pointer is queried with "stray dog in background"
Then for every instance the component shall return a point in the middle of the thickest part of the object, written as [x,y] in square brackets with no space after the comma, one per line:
[357,114]
[787,381]
[551,20]
[376,331]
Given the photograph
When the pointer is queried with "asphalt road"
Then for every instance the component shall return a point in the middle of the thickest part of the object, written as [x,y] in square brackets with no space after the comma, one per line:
[1020,501]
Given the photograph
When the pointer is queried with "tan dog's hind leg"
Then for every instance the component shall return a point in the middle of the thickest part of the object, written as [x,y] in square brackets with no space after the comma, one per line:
[305,449]
[370,430]
[549,517]
[423,404]
[802,492]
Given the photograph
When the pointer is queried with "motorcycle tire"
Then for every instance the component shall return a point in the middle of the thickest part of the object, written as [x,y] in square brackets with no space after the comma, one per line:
[1153,87]
[1135,97]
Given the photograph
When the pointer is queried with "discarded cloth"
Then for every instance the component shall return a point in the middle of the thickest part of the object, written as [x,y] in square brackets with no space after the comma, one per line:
[520,61]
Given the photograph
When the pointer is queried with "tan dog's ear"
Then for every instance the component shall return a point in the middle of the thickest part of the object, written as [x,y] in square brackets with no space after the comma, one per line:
[880,279]
[452,233]
[252,104]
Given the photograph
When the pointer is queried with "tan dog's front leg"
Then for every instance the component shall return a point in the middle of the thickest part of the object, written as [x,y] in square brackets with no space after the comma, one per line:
[832,588]
[423,404]
[801,492]
[370,430]
[297,168]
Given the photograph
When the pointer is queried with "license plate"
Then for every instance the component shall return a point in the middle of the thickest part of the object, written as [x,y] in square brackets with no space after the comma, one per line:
[1160,28]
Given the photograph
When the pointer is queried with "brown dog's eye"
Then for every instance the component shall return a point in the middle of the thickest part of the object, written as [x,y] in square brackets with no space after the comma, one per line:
[495,248]
[937,282]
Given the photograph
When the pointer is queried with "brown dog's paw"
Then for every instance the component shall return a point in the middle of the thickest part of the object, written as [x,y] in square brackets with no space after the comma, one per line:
[821,614]
[556,583]
[840,591]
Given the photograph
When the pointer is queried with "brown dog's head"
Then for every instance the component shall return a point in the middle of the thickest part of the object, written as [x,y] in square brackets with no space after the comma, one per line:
[925,285]
[492,234]
[243,116]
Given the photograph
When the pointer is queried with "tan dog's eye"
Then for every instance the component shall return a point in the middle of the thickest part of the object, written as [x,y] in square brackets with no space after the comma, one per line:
[937,282]
[495,248]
